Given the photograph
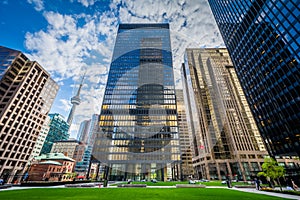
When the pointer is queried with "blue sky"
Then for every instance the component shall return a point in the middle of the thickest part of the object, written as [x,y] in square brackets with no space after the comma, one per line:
[68,37]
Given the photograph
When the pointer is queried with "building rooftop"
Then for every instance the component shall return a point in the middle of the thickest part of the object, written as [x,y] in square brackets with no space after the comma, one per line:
[54,156]
[143,25]
[50,162]
[68,141]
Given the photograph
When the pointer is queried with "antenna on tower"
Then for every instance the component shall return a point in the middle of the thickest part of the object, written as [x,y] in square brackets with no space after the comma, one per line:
[75,101]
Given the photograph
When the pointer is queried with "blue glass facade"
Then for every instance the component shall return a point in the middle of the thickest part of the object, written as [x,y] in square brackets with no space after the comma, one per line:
[263,40]
[59,129]
[138,120]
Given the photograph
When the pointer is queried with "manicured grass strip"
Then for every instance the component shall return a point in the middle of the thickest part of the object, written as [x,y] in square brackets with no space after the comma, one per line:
[130,194]
[160,183]
[173,183]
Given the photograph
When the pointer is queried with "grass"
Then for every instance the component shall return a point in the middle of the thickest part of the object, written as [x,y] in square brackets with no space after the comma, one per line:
[173,183]
[160,183]
[129,193]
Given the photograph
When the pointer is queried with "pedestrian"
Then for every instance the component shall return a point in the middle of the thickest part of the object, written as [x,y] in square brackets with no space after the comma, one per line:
[228,181]
[257,183]
[294,186]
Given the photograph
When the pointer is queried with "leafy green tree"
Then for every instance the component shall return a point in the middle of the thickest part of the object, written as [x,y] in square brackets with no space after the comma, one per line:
[70,175]
[272,170]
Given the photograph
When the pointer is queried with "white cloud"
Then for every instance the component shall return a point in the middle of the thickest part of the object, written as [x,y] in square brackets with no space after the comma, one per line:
[73,130]
[65,105]
[95,72]
[87,3]
[91,100]
[38,4]
[191,23]
[67,48]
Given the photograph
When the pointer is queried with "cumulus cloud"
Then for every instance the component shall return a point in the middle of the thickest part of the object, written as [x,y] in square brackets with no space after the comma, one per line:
[38,4]
[68,48]
[87,3]
[191,23]
[65,104]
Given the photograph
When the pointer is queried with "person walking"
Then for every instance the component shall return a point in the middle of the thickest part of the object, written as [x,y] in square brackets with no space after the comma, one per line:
[294,186]
[257,183]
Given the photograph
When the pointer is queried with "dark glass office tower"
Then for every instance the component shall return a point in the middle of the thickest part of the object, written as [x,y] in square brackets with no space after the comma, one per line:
[138,135]
[263,38]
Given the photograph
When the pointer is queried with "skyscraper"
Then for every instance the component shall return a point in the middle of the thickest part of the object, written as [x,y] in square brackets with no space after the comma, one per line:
[41,139]
[263,40]
[138,135]
[25,101]
[86,135]
[49,93]
[185,138]
[58,131]
[87,129]
[225,138]
[83,132]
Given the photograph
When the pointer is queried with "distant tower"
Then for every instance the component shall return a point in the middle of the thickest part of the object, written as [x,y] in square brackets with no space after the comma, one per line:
[75,101]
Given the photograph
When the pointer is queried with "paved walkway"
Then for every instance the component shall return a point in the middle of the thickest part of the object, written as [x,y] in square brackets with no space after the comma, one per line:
[251,190]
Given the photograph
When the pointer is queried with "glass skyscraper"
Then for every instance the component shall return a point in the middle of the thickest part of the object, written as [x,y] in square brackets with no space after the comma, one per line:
[86,135]
[138,136]
[58,131]
[225,140]
[187,169]
[263,39]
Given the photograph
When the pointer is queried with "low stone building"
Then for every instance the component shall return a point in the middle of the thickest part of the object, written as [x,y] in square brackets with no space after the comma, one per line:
[51,167]
[46,171]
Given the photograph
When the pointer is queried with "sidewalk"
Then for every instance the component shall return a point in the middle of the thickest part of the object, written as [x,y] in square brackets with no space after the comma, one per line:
[252,190]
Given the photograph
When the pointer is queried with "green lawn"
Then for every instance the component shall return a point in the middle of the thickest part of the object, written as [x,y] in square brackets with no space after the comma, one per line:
[160,183]
[129,193]
[173,183]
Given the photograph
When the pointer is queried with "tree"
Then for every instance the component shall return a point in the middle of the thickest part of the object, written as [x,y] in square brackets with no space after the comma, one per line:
[70,175]
[272,170]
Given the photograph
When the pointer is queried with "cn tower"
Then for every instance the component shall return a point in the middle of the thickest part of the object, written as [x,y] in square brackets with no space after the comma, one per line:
[75,101]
